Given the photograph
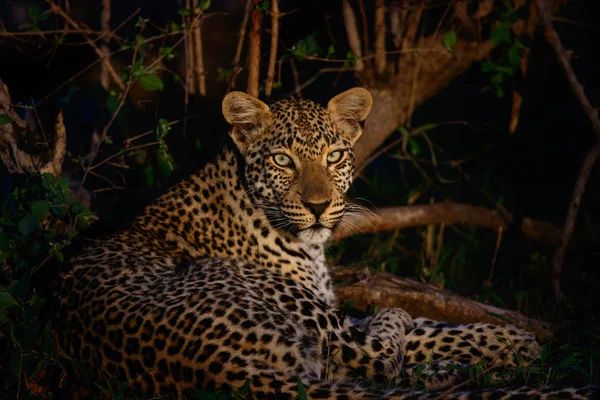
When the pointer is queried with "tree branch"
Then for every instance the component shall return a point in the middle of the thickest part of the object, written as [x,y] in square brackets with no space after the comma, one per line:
[240,44]
[380,58]
[273,54]
[352,33]
[254,51]
[367,288]
[115,77]
[19,161]
[198,54]
[591,157]
[403,217]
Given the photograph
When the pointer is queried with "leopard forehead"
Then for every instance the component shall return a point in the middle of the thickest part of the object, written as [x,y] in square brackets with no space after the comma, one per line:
[302,126]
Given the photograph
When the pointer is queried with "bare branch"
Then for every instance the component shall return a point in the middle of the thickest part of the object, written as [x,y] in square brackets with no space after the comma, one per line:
[198,54]
[352,33]
[592,156]
[240,44]
[105,28]
[254,55]
[379,37]
[422,300]
[115,77]
[485,8]
[414,19]
[402,217]
[397,21]
[437,70]
[273,54]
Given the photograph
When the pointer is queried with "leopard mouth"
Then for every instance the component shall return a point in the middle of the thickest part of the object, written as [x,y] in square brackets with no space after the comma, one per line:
[315,234]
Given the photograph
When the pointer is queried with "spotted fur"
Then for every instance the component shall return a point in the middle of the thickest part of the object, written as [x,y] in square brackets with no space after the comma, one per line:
[223,278]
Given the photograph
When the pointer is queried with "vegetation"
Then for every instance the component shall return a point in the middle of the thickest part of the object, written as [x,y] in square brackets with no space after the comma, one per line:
[470,121]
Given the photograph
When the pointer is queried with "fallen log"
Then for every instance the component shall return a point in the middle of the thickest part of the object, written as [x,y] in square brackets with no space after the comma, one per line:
[365,288]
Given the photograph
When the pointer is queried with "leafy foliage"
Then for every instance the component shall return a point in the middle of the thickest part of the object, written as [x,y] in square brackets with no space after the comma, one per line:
[37,222]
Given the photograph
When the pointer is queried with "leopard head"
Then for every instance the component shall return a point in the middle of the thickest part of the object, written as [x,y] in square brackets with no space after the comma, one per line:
[299,157]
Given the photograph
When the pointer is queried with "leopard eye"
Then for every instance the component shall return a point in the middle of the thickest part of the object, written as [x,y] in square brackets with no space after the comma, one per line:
[282,160]
[334,156]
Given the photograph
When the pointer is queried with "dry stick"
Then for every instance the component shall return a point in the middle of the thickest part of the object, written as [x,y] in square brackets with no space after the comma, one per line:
[197,39]
[105,28]
[116,78]
[363,14]
[379,37]
[189,85]
[397,20]
[352,33]
[495,257]
[95,151]
[273,54]
[591,157]
[238,52]
[413,26]
[254,51]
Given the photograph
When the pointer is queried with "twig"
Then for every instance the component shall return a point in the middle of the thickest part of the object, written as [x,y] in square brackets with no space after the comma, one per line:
[413,26]
[116,78]
[494,258]
[365,26]
[313,78]
[96,150]
[591,157]
[298,87]
[352,33]
[105,28]
[240,44]
[199,58]
[273,54]
[379,45]
[254,51]
[397,21]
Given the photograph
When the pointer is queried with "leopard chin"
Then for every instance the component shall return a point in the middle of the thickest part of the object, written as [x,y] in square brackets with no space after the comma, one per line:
[317,234]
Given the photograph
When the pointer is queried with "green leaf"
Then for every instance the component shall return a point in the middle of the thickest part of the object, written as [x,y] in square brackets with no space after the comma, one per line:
[351,59]
[28,225]
[204,4]
[487,66]
[184,12]
[151,82]
[330,51]
[414,147]
[305,47]
[514,56]
[5,119]
[60,211]
[162,128]
[500,35]
[450,41]
[40,208]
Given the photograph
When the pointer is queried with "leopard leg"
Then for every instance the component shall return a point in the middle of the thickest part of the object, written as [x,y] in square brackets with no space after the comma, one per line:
[374,347]
[501,346]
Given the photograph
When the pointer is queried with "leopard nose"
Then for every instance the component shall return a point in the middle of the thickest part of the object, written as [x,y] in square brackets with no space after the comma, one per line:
[317,208]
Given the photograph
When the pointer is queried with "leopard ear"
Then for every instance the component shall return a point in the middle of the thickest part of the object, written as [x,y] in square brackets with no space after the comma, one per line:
[349,109]
[248,117]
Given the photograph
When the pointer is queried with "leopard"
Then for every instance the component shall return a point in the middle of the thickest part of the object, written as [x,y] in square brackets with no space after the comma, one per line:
[223,281]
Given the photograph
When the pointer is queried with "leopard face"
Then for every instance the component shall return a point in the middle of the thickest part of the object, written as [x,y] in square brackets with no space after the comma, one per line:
[299,157]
